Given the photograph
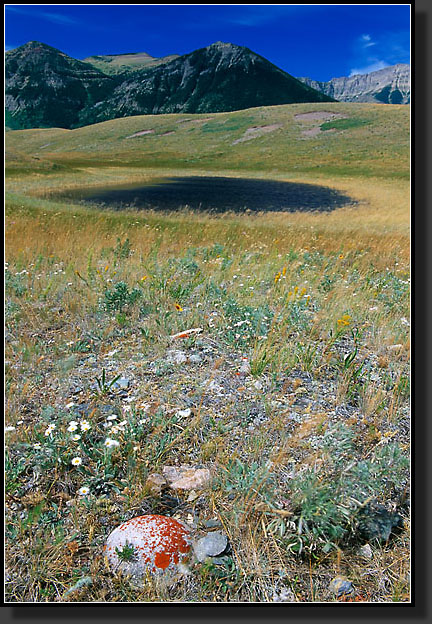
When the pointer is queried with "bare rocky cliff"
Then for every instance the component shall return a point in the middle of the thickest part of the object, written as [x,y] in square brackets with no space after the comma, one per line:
[390,85]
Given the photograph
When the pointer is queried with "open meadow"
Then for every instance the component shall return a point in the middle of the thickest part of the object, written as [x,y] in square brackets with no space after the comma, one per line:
[294,394]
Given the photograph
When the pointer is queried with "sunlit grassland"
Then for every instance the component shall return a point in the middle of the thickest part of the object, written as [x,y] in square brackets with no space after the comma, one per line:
[307,298]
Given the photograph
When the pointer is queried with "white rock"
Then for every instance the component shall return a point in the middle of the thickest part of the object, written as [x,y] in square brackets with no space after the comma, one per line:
[150,543]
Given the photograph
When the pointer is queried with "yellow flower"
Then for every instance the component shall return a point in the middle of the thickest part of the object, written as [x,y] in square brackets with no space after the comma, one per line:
[144,277]
[277,277]
[178,307]
[284,270]
[106,268]
[340,256]
[345,320]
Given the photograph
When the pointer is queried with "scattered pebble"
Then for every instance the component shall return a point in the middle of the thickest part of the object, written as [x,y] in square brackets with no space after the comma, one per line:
[365,551]
[211,545]
[122,383]
[341,586]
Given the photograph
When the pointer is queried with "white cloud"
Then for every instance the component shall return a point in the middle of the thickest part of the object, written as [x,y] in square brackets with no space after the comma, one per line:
[366,41]
[375,66]
[56,18]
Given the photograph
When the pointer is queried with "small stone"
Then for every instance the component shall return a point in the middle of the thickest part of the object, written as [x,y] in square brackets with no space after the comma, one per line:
[213,386]
[245,368]
[365,551]
[211,545]
[258,385]
[186,477]
[122,383]
[184,413]
[195,358]
[176,357]
[213,523]
[155,483]
[341,586]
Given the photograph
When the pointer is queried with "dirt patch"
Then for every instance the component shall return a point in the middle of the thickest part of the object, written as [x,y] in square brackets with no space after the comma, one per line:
[312,132]
[314,120]
[195,121]
[131,136]
[256,131]
[167,133]
[318,116]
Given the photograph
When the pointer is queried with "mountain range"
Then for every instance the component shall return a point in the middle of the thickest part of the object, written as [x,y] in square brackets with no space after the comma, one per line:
[390,85]
[47,88]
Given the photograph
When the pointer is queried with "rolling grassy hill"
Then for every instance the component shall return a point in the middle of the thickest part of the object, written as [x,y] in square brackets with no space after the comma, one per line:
[323,139]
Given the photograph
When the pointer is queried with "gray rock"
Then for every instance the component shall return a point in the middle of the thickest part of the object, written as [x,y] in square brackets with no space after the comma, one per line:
[365,551]
[341,586]
[211,545]
[212,524]
[176,357]
[122,383]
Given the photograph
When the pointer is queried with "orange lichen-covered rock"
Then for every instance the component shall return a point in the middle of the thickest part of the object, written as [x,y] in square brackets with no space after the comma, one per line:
[150,543]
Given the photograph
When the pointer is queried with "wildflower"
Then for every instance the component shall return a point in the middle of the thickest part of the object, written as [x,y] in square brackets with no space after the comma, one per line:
[77,461]
[49,429]
[106,268]
[76,437]
[37,446]
[284,270]
[85,425]
[144,277]
[112,417]
[277,277]
[178,307]
[71,404]
[109,443]
[72,427]
[345,320]
[83,491]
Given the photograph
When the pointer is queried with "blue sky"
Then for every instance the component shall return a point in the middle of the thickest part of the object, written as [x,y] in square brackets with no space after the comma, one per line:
[319,41]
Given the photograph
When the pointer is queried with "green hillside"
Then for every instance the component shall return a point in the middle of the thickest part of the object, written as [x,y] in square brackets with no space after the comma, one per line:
[340,139]
[113,64]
